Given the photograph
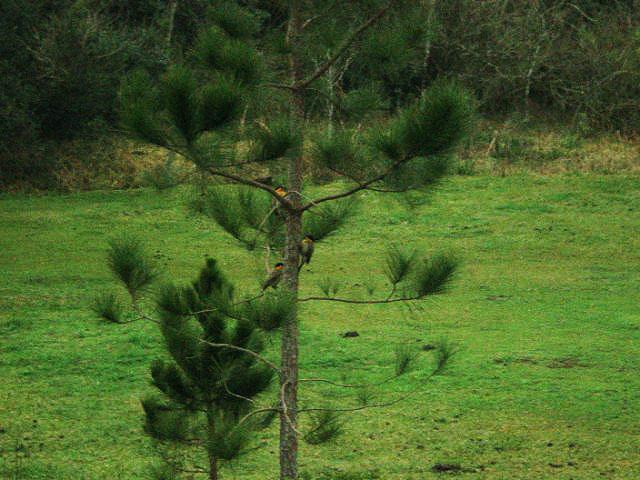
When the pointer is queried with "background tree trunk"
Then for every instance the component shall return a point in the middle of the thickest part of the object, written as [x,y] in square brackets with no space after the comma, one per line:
[213,464]
[173,5]
[213,469]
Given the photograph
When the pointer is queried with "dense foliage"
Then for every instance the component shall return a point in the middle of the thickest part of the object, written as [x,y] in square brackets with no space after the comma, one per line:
[61,63]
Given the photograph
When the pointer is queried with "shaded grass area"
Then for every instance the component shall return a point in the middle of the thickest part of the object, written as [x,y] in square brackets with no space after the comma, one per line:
[544,312]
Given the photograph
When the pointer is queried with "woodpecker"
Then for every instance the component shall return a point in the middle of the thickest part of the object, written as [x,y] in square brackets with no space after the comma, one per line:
[274,277]
[306,250]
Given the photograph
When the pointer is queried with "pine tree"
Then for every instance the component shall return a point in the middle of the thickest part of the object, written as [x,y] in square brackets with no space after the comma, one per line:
[213,110]
[207,387]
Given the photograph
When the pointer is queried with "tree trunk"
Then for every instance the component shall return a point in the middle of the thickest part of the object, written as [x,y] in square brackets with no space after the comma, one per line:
[173,5]
[289,349]
[213,468]
[289,355]
[213,464]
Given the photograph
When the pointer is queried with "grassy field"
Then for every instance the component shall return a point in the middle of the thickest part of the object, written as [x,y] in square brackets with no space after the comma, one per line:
[544,310]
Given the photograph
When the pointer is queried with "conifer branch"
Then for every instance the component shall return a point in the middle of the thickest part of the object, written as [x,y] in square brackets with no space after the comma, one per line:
[253,183]
[257,411]
[390,403]
[210,310]
[359,302]
[141,315]
[356,189]
[245,350]
[230,176]
[281,86]
[226,385]
[354,179]
[344,46]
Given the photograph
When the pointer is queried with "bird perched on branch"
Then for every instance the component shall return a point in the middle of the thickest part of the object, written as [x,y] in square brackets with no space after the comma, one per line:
[274,277]
[306,250]
[275,204]
[281,191]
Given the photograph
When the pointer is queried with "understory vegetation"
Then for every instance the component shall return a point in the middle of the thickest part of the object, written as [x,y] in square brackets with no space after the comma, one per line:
[61,65]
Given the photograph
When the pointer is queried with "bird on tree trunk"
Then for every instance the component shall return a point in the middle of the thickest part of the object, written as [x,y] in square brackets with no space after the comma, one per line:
[306,250]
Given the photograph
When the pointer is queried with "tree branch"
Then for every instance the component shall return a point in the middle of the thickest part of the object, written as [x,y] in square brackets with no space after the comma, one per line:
[348,385]
[354,179]
[244,181]
[346,43]
[281,86]
[356,189]
[193,470]
[141,315]
[253,183]
[236,164]
[359,302]
[245,350]
[285,410]
[374,405]
[209,310]
[255,412]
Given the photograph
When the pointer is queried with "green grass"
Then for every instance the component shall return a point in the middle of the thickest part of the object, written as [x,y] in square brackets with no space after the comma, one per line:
[544,312]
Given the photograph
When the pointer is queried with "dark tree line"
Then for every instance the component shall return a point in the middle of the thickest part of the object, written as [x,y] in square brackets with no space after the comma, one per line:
[61,63]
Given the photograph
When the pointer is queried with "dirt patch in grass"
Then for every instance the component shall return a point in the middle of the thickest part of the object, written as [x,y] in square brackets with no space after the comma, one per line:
[522,360]
[566,362]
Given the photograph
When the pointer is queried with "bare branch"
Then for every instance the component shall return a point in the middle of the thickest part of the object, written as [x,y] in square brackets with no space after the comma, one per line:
[267,256]
[226,386]
[245,350]
[253,183]
[358,302]
[349,385]
[209,310]
[140,313]
[193,470]
[390,403]
[344,46]
[236,164]
[257,411]
[285,410]
[373,189]
[356,189]
[280,86]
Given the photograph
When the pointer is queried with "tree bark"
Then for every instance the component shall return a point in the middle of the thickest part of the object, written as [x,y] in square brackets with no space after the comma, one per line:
[213,464]
[213,468]
[173,5]
[289,353]
[289,347]
[293,220]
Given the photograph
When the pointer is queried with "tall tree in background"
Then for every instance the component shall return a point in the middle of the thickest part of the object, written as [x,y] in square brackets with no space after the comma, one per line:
[204,108]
